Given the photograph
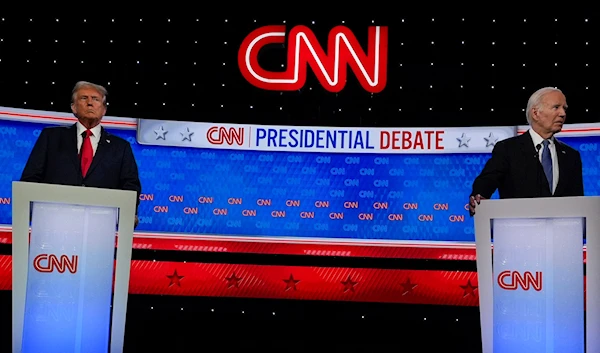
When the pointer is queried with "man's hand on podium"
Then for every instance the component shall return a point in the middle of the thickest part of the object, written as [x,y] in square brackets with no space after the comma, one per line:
[135,223]
[473,202]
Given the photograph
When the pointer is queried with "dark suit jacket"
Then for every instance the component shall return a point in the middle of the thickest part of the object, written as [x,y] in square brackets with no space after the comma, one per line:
[54,160]
[515,170]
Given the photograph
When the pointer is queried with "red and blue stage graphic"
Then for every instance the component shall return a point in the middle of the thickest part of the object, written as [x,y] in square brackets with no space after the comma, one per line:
[311,191]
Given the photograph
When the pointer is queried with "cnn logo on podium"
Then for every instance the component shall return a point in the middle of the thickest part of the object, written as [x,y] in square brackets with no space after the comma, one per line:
[512,280]
[50,263]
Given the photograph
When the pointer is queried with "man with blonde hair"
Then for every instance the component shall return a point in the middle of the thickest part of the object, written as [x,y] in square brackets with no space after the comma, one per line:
[536,163]
[84,153]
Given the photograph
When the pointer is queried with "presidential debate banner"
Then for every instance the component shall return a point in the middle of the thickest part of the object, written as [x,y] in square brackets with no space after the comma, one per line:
[385,184]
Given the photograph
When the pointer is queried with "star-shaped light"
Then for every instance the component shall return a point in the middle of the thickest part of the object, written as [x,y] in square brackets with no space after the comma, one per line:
[469,289]
[160,133]
[490,140]
[233,281]
[463,140]
[175,279]
[187,135]
[408,287]
[349,284]
[291,283]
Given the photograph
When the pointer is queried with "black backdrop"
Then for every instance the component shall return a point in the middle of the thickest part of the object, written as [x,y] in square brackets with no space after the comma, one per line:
[452,70]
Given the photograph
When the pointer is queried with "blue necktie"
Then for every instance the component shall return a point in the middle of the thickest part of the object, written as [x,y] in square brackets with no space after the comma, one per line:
[547,163]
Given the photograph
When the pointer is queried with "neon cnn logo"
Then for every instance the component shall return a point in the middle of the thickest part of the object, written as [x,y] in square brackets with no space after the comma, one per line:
[330,68]
[218,135]
[50,263]
[511,280]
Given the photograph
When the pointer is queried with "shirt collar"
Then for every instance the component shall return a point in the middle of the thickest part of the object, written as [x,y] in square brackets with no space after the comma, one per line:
[96,130]
[537,139]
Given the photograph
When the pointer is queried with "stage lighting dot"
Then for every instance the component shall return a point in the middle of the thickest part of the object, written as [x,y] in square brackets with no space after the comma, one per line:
[251,107]
[213,310]
[181,309]
[424,319]
[430,108]
[134,103]
[273,313]
[280,108]
[362,317]
[243,312]
[164,103]
[51,103]
[586,110]
[192,104]
[492,109]
[493,43]
[400,87]
[167,42]
[225,43]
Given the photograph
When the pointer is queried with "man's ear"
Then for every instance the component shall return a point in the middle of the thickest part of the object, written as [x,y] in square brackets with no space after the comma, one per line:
[73,107]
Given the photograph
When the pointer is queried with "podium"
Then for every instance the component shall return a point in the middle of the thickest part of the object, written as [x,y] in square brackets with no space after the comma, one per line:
[69,291]
[536,292]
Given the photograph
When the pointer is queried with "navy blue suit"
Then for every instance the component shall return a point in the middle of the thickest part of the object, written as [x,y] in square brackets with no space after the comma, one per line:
[54,160]
[516,172]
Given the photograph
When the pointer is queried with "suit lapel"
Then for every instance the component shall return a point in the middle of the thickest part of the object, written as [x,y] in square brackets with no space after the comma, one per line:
[535,169]
[563,166]
[71,147]
[101,151]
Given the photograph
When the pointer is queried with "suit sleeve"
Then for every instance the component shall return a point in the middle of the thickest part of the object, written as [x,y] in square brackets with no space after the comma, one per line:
[493,173]
[578,180]
[129,174]
[35,168]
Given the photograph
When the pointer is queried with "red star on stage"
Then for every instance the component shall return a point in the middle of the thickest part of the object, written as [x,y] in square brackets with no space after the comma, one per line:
[291,283]
[408,287]
[349,284]
[175,279]
[469,289]
[233,281]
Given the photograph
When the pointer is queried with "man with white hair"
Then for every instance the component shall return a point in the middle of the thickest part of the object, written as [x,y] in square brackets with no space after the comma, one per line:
[535,163]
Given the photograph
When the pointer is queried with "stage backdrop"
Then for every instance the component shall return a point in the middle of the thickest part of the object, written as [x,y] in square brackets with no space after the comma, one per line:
[362,192]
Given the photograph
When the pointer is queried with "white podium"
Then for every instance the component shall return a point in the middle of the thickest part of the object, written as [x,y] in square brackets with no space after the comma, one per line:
[63,271]
[535,293]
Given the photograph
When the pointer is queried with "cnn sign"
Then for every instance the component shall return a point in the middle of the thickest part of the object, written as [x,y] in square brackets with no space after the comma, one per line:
[51,263]
[218,135]
[329,67]
[513,280]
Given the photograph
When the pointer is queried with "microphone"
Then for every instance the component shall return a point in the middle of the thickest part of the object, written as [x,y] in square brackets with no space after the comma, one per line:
[537,151]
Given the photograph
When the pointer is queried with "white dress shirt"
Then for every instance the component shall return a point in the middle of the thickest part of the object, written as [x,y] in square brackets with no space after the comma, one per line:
[537,140]
[94,139]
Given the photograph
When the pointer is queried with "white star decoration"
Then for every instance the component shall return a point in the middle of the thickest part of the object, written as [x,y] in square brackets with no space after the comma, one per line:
[490,140]
[187,135]
[463,140]
[160,133]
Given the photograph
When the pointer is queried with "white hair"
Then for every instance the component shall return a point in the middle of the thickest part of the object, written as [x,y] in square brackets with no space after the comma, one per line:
[536,99]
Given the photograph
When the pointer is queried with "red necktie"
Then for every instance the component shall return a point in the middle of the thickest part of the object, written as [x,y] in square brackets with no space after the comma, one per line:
[86,153]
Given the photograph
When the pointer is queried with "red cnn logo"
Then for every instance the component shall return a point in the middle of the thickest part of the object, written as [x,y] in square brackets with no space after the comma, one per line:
[217,135]
[49,263]
[330,68]
[510,280]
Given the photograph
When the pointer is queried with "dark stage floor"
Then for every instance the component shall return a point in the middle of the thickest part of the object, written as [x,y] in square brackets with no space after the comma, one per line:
[195,324]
